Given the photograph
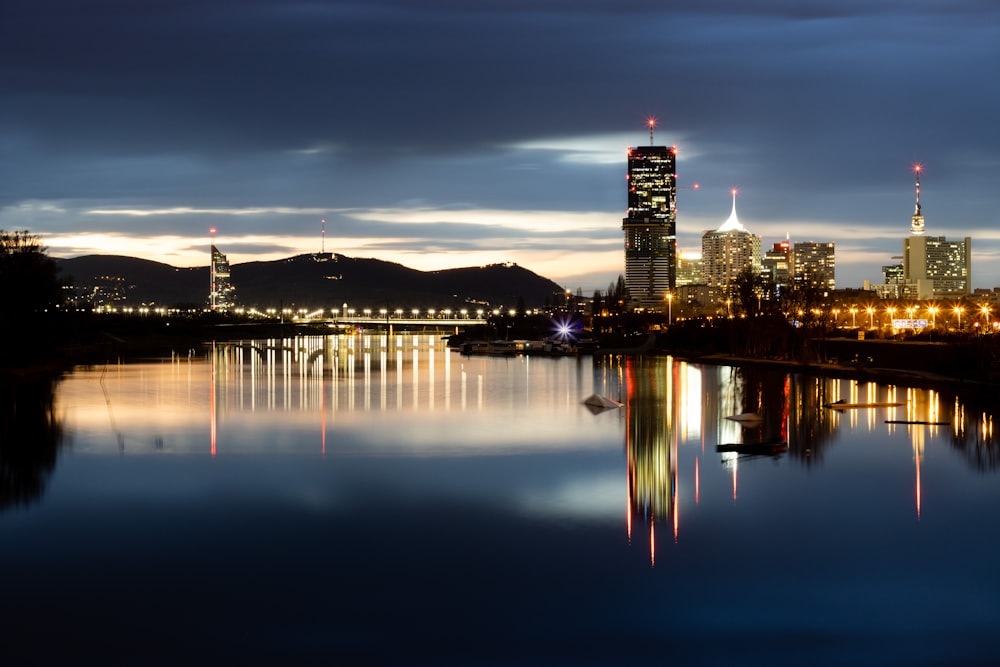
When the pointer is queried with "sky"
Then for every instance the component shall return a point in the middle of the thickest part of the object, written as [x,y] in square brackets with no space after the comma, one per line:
[451,133]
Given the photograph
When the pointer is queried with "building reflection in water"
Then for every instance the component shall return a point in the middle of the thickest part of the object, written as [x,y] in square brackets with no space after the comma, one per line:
[676,412]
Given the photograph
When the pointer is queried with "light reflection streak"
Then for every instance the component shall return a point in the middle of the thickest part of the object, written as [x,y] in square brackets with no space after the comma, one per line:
[672,409]
[697,481]
[212,409]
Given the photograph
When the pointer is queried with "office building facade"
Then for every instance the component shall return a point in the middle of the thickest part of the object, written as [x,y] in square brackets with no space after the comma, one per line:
[814,265]
[727,251]
[221,291]
[777,263]
[650,227]
[941,269]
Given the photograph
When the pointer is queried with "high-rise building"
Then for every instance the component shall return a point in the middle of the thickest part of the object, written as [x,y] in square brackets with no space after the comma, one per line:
[727,251]
[814,265]
[220,295]
[688,269]
[777,263]
[939,267]
[936,267]
[892,274]
[651,225]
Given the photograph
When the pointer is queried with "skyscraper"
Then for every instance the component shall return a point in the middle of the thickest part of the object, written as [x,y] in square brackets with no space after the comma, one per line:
[814,265]
[221,294]
[727,251]
[651,225]
[936,267]
[777,262]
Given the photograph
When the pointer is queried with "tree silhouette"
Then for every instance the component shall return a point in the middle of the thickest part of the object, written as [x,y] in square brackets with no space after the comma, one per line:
[32,288]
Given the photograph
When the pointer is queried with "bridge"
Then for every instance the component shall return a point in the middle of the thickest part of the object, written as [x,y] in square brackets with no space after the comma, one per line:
[398,320]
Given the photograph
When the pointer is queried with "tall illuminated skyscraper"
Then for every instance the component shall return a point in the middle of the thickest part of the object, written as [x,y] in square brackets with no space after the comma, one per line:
[937,267]
[221,294]
[726,252]
[651,225]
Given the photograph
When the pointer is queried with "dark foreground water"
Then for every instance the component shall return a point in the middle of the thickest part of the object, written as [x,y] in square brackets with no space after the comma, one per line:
[371,501]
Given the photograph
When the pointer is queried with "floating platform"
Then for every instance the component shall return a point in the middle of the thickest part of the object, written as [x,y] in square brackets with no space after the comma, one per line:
[917,422]
[860,406]
[762,448]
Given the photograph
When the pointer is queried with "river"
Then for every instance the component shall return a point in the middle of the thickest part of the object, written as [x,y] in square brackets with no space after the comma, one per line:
[386,500]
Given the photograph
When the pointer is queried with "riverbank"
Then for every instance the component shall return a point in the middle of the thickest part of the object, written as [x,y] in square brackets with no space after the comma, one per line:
[909,377]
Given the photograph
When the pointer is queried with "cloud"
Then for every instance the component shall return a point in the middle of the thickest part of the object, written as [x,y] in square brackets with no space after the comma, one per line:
[506,121]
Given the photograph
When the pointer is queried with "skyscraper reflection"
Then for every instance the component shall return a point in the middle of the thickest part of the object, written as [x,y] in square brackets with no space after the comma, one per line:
[650,443]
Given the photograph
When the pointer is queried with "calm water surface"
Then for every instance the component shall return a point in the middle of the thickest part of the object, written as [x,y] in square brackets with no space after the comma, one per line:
[373,500]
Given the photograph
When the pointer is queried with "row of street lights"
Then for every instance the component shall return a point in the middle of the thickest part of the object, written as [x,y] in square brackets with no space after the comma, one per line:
[910,311]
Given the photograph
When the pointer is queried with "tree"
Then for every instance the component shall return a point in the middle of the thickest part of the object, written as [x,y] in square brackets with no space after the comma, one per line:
[753,294]
[28,274]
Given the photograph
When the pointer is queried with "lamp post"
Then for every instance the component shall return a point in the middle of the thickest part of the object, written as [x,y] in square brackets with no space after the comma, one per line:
[985,310]
[871,317]
[854,318]
[933,311]
[958,314]
[670,309]
[892,312]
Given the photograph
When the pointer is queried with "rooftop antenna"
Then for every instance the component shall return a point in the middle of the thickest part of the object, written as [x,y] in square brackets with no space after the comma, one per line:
[917,221]
[322,244]
[651,121]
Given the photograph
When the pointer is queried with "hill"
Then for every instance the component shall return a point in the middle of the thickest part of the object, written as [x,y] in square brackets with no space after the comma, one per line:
[308,281]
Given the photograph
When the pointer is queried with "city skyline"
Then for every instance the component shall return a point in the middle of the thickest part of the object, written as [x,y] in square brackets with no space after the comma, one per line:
[441,135]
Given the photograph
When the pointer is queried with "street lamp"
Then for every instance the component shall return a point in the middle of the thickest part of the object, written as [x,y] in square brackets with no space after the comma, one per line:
[670,304]
[985,310]
[958,313]
[933,311]
[871,317]
[854,318]
[892,313]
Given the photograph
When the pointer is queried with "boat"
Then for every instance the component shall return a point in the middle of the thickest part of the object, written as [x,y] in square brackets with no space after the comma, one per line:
[475,347]
[770,447]
[746,418]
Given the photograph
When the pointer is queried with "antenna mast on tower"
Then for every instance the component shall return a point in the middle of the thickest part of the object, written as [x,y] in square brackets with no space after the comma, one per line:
[917,221]
[322,244]
[652,124]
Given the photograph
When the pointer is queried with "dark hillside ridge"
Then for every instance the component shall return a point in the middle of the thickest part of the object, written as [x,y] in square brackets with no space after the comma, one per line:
[310,281]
